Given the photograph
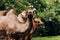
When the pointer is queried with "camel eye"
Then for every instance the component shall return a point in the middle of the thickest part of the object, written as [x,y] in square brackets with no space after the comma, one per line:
[30,12]
[34,20]
[26,11]
[33,12]
[38,21]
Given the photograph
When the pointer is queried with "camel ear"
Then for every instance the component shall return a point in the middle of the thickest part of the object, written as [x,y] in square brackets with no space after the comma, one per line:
[26,11]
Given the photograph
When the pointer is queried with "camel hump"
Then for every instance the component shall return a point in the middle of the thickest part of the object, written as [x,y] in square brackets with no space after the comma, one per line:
[11,12]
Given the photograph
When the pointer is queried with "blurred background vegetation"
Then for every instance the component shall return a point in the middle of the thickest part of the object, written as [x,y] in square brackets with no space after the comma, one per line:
[47,10]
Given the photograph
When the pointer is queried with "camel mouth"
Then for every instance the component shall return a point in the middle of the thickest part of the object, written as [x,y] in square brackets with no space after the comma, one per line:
[30,16]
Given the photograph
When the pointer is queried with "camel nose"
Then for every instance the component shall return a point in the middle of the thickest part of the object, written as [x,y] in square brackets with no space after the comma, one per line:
[30,13]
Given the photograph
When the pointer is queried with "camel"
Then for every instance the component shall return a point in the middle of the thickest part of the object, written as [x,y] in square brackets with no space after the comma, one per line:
[2,13]
[10,15]
[30,13]
[12,24]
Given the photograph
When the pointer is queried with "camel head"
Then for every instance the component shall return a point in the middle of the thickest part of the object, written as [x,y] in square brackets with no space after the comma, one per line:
[24,15]
[30,13]
[38,21]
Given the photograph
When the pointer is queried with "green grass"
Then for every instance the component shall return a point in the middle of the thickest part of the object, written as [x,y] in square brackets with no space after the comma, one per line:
[47,38]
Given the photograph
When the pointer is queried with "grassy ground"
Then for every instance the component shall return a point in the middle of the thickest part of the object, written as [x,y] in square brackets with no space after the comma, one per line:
[47,38]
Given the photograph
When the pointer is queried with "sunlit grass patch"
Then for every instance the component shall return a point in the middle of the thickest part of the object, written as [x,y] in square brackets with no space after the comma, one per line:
[47,38]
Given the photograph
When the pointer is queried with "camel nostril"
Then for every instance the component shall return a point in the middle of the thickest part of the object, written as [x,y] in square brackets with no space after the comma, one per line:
[30,12]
